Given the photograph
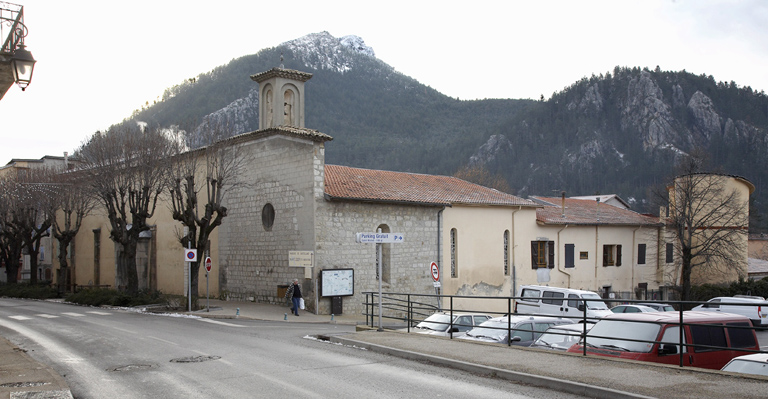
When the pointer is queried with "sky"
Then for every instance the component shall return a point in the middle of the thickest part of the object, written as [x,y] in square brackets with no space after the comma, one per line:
[100,60]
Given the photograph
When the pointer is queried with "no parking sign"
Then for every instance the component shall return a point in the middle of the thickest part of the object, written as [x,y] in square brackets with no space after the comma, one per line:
[190,255]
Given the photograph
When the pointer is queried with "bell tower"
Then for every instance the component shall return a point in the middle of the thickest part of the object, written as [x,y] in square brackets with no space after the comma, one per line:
[281,97]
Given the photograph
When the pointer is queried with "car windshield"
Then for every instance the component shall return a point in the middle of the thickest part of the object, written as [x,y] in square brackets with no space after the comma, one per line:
[553,338]
[623,330]
[746,366]
[436,322]
[492,329]
[595,305]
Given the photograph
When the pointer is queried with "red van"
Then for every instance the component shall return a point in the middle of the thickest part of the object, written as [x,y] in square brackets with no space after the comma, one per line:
[711,339]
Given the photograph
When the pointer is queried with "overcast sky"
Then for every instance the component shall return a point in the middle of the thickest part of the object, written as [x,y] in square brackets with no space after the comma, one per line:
[100,60]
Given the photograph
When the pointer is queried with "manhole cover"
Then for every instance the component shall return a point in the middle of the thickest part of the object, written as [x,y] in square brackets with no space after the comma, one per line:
[195,359]
[132,367]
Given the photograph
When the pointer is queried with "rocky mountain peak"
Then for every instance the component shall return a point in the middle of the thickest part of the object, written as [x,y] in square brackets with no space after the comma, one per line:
[324,51]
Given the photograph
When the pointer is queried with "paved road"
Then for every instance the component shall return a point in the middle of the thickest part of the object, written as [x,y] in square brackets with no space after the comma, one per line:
[120,354]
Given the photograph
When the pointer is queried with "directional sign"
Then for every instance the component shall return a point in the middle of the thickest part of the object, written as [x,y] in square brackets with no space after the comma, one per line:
[380,238]
[435,271]
[208,264]
[190,255]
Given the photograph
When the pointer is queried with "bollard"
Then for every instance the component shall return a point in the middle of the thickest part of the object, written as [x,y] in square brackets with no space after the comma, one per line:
[285,316]
[238,313]
[331,316]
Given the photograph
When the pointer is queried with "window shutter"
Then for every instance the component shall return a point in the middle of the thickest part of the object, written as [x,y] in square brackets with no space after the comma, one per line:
[618,255]
[640,254]
[670,251]
[534,254]
[605,255]
[570,255]
[551,250]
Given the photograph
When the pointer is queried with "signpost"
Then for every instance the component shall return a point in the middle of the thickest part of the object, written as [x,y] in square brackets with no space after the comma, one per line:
[435,271]
[208,265]
[190,255]
[379,238]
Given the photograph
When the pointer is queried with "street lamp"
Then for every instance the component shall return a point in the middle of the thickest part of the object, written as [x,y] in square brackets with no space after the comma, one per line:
[22,65]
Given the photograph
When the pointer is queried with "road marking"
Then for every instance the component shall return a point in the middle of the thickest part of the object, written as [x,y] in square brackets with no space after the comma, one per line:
[100,313]
[47,316]
[73,314]
[20,317]
[162,340]
[221,323]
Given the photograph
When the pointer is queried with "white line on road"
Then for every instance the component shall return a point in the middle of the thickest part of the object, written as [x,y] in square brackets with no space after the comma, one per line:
[48,316]
[20,317]
[162,340]
[73,314]
[220,323]
[100,313]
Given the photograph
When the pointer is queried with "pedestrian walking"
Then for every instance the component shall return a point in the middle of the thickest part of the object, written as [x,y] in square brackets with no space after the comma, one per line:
[294,295]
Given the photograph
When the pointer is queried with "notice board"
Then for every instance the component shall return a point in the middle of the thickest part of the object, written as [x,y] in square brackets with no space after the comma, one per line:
[337,282]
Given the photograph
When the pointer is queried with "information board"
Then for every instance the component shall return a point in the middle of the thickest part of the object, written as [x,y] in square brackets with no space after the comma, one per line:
[337,282]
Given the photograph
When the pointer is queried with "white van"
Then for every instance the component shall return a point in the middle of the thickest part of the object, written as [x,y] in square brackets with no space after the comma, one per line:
[756,308]
[567,302]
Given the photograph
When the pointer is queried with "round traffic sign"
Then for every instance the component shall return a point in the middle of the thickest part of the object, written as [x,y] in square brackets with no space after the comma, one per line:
[208,264]
[435,271]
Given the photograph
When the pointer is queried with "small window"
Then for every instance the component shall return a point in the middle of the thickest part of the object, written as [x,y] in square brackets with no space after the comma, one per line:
[530,295]
[672,337]
[573,301]
[670,253]
[705,337]
[268,216]
[524,331]
[569,255]
[583,255]
[553,298]
[640,254]
[741,335]
[611,255]
[542,254]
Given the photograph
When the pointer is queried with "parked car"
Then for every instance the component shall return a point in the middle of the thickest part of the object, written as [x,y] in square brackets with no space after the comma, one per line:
[659,307]
[755,308]
[520,330]
[555,301]
[632,309]
[441,324]
[561,337]
[711,339]
[756,363]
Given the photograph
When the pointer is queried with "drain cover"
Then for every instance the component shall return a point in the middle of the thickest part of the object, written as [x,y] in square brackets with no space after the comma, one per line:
[132,367]
[195,359]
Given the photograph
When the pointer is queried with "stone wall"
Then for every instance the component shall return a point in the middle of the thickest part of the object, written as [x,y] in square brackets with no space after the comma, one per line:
[254,258]
[337,225]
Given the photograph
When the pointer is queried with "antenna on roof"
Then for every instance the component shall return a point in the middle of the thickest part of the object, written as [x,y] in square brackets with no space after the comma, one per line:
[598,208]
[281,61]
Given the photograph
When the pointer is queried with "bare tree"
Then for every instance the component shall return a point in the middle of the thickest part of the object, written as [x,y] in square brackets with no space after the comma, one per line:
[198,183]
[71,203]
[11,242]
[125,168]
[709,221]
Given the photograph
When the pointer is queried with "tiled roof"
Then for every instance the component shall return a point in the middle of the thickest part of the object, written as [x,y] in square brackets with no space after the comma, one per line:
[346,183]
[282,73]
[299,132]
[588,212]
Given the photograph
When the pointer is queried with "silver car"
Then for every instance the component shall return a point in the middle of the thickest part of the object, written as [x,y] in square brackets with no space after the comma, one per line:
[561,337]
[517,330]
[441,324]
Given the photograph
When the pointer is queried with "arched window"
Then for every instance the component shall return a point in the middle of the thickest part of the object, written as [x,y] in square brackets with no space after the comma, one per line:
[268,216]
[288,109]
[506,252]
[454,254]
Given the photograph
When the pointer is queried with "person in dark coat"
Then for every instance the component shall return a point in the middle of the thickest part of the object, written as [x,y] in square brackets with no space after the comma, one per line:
[294,295]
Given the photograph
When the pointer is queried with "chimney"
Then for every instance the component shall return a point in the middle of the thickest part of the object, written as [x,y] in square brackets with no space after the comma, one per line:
[66,160]
[563,202]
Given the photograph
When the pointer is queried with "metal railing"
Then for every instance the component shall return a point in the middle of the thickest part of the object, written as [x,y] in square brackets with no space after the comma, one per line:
[11,16]
[413,308]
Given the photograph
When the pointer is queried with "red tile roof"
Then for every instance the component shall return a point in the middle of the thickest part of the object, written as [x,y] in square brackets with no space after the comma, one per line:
[588,212]
[346,183]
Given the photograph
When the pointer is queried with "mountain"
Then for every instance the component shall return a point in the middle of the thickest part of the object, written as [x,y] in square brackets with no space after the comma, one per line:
[620,132]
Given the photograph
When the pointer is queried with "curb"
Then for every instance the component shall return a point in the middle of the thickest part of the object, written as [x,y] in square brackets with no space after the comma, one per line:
[560,385]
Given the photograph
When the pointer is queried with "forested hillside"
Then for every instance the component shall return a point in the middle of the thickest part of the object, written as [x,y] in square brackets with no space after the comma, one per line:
[618,132]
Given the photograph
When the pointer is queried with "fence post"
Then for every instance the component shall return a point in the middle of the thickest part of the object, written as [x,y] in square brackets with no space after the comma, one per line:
[584,320]
[409,313]
[681,336]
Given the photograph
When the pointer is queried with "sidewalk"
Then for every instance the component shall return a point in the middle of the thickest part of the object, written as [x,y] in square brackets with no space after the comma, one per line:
[23,377]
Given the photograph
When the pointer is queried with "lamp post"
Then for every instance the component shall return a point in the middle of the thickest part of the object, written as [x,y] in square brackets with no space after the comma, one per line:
[13,50]
[22,65]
